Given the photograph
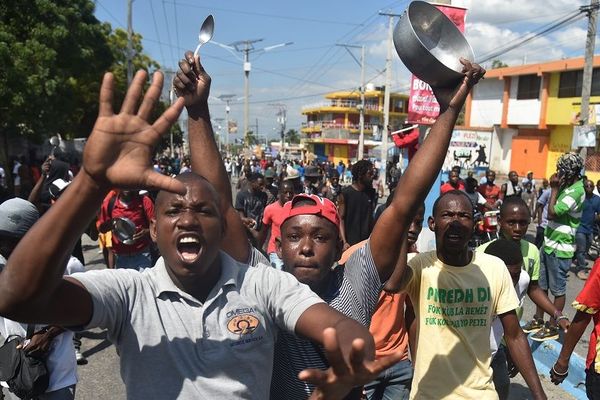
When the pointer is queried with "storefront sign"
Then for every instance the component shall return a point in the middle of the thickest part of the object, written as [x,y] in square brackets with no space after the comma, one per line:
[584,136]
[468,149]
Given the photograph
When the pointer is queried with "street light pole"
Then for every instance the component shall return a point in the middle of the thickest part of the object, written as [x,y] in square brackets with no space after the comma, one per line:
[361,137]
[247,67]
[226,98]
[388,84]
[281,119]
[586,87]
[361,108]
[247,47]
[129,43]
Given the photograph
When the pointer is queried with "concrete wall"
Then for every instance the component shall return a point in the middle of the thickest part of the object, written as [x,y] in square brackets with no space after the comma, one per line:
[501,149]
[486,108]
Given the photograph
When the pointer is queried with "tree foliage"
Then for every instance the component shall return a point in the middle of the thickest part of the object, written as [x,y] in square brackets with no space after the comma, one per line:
[292,136]
[498,64]
[53,55]
[117,42]
[251,139]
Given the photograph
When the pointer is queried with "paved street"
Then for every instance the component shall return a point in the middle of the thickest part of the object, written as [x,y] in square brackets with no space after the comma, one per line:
[100,378]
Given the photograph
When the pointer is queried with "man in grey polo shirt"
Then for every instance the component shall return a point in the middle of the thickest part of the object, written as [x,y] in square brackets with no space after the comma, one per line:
[199,325]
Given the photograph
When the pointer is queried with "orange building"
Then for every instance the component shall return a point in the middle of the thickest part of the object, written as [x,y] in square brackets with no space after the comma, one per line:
[533,110]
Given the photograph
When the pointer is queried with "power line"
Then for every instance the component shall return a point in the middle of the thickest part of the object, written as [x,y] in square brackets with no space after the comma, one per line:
[513,20]
[506,49]
[286,17]
[176,23]
[534,31]
[162,54]
[323,60]
[111,14]
[351,90]
[168,30]
[329,55]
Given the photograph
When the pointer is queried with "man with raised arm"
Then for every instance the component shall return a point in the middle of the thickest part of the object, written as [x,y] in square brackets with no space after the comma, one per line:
[310,240]
[198,324]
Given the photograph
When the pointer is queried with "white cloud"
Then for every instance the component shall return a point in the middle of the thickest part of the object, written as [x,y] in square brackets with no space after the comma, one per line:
[508,11]
[572,37]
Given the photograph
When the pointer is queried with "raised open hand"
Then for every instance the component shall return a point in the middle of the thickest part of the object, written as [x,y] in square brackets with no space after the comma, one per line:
[341,377]
[455,96]
[191,81]
[119,150]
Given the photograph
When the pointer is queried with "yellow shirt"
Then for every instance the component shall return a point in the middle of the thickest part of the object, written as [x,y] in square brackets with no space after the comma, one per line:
[454,307]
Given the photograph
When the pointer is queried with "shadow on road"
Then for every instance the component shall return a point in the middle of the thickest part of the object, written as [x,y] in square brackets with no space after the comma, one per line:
[104,344]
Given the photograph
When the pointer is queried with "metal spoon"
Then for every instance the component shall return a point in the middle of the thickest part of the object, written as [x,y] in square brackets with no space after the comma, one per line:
[206,32]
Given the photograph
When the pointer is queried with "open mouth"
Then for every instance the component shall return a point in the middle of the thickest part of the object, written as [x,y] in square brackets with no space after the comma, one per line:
[189,247]
[454,237]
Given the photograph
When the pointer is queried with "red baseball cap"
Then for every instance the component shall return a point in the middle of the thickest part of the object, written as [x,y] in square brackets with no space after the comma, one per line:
[322,207]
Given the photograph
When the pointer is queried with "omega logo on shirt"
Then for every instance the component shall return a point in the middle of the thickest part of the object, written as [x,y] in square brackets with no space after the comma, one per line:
[242,322]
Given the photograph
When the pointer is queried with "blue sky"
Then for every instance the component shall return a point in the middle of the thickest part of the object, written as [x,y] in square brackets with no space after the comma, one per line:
[299,74]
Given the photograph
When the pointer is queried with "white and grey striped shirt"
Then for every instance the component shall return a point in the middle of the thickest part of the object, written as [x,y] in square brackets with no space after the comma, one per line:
[354,291]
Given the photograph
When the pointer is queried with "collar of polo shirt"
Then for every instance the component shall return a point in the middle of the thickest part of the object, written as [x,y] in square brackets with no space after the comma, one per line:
[164,283]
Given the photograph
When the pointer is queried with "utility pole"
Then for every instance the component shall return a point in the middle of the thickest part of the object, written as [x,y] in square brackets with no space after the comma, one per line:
[388,84]
[281,119]
[246,47]
[226,98]
[590,43]
[361,107]
[219,126]
[247,67]
[361,137]
[129,43]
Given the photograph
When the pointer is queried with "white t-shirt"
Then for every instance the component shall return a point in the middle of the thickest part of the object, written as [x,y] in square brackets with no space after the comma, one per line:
[61,361]
[497,329]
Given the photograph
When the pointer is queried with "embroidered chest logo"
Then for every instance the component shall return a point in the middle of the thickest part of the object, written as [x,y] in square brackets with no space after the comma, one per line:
[242,321]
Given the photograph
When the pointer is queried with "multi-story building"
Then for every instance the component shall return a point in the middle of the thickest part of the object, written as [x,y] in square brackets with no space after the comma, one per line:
[533,110]
[331,129]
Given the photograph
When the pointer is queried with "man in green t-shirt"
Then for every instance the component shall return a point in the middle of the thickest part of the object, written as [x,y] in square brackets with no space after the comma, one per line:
[564,214]
[514,220]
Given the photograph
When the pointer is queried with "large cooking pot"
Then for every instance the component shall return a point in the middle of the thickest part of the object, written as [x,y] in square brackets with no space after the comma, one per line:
[430,45]
[124,229]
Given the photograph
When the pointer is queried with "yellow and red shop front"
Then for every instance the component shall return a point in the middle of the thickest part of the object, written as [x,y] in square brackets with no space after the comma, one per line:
[336,150]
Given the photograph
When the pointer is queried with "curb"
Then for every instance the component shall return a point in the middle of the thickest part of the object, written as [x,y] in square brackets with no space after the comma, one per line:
[545,355]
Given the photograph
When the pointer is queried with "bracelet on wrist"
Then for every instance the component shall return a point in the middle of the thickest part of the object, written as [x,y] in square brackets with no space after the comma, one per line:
[559,373]
[557,314]
[562,317]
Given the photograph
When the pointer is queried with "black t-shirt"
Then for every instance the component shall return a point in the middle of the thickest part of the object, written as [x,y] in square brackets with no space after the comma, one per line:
[252,205]
[358,217]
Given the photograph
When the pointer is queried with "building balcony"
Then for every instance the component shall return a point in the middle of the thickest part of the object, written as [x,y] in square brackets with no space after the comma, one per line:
[332,129]
[339,105]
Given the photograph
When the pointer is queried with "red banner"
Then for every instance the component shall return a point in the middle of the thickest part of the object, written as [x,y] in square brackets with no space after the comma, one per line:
[423,108]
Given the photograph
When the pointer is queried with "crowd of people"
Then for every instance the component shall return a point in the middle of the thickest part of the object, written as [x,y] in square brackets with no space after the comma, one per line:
[296,283]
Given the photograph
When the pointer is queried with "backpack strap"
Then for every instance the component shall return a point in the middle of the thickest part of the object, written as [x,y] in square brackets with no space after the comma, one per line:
[30,331]
[111,204]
